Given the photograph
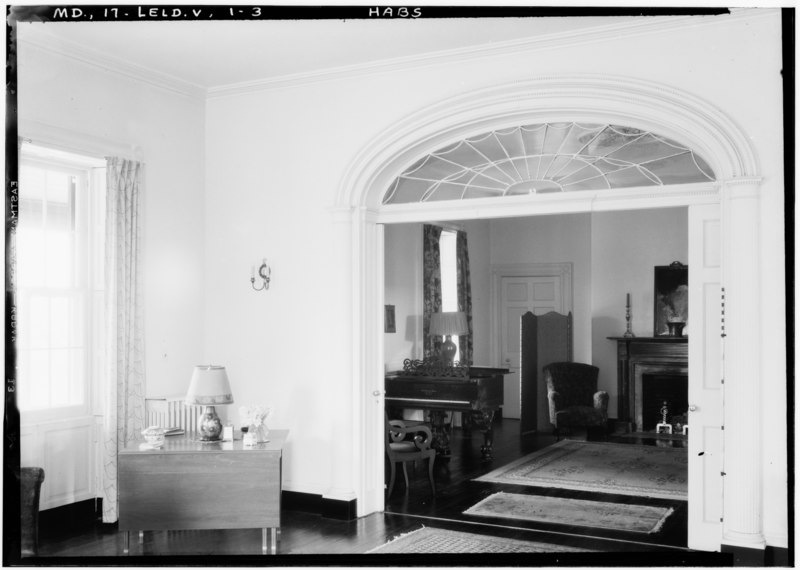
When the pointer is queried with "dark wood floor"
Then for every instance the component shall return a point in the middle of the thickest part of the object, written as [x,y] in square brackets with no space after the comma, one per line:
[310,539]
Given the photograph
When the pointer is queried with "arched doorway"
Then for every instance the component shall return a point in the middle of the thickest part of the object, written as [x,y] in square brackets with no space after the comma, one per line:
[644,106]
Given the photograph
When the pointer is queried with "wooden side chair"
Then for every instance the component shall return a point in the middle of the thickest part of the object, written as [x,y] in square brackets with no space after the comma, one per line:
[408,443]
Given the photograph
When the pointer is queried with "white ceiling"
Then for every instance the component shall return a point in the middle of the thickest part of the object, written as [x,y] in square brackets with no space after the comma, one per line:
[213,54]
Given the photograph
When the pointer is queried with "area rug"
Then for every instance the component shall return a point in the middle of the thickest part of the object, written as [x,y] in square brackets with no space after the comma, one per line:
[429,540]
[624,469]
[559,510]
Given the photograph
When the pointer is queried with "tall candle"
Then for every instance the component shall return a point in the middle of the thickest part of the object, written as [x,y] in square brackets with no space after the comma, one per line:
[628,300]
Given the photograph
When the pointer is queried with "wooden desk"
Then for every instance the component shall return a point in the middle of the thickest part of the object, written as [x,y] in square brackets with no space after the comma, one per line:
[191,485]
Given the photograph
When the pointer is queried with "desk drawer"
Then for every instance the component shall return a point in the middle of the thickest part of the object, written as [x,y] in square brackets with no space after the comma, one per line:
[199,491]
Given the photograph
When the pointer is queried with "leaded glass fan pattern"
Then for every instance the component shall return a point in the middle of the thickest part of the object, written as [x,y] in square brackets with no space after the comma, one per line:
[547,158]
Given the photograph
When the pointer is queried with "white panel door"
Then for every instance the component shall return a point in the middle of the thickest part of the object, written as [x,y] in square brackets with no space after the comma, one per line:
[518,295]
[705,378]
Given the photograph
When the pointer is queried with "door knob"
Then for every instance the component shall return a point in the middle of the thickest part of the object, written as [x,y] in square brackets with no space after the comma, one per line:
[692,408]
[376,392]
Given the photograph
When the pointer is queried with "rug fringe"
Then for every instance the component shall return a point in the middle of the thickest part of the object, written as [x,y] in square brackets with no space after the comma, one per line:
[396,538]
[661,522]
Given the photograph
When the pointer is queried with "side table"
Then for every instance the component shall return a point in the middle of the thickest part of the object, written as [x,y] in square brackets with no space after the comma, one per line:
[187,485]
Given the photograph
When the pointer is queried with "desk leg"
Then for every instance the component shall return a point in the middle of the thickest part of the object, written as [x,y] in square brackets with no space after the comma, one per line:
[263,541]
[127,543]
[274,539]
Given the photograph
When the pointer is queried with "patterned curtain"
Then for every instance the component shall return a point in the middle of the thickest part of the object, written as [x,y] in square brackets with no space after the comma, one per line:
[124,401]
[431,287]
[464,296]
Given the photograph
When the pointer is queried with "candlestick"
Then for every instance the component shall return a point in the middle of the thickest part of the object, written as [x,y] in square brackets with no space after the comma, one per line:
[628,331]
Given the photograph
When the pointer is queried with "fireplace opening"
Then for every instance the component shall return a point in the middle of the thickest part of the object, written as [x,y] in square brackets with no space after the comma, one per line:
[659,388]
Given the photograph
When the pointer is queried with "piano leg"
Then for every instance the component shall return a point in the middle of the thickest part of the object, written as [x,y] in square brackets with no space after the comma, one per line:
[483,419]
[441,432]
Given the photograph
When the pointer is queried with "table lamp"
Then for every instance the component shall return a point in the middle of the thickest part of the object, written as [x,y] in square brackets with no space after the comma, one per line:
[209,387]
[448,324]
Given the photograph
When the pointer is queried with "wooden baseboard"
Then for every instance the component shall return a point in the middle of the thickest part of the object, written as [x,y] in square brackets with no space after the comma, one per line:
[769,556]
[317,504]
[83,514]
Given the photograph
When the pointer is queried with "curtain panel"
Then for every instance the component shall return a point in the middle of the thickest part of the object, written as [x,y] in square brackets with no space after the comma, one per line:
[431,288]
[125,387]
[464,295]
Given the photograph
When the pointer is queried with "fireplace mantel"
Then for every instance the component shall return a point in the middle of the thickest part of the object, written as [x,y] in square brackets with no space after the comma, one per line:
[638,356]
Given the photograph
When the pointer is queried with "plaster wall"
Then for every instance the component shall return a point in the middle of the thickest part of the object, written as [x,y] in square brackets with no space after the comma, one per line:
[165,130]
[275,159]
[626,246]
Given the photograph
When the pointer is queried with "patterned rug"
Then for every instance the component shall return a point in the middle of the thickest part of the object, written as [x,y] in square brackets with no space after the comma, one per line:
[558,510]
[437,540]
[624,469]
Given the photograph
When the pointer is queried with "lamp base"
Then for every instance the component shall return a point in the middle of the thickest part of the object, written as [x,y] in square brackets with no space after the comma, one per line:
[209,426]
[448,352]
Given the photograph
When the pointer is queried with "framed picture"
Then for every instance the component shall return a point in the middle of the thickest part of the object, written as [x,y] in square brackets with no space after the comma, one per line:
[671,297]
[388,319]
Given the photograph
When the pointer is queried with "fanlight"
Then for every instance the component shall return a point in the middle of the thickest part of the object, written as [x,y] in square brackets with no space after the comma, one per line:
[549,157]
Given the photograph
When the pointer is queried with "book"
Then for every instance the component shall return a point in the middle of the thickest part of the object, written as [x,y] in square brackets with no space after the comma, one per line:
[174,431]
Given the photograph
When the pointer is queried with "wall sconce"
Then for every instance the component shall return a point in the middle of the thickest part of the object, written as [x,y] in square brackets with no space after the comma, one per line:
[264,272]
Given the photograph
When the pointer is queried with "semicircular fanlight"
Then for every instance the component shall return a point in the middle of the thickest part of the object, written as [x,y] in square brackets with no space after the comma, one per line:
[547,158]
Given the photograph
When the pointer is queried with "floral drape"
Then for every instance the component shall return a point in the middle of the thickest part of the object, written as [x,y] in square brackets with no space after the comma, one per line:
[431,287]
[464,295]
[125,389]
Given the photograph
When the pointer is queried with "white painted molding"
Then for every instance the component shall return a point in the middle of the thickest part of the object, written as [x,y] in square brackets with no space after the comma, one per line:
[51,136]
[676,114]
[544,204]
[561,40]
[81,54]
[611,32]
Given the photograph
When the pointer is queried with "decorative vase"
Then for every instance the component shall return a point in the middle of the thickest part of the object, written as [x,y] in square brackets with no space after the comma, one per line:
[675,328]
[259,432]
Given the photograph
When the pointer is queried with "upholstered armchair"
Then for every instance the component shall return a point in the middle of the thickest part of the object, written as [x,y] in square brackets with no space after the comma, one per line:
[30,485]
[573,397]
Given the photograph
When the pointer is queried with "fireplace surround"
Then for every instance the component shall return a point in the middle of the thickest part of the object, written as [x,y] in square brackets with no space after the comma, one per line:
[641,360]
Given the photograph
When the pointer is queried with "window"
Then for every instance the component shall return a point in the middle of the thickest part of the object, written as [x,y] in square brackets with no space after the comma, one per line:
[449,276]
[59,279]
[546,158]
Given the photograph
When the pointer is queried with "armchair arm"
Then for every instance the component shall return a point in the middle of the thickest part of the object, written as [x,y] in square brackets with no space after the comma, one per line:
[601,402]
[555,403]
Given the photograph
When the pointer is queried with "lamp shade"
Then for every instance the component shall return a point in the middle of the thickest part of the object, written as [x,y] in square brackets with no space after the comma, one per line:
[449,323]
[209,386]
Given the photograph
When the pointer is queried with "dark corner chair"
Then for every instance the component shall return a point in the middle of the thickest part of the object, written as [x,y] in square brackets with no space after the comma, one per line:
[408,443]
[30,485]
[573,398]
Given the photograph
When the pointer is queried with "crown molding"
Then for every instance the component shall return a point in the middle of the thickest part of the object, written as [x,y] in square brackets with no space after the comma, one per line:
[93,58]
[650,25]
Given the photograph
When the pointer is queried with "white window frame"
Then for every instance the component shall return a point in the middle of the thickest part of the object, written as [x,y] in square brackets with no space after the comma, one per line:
[88,285]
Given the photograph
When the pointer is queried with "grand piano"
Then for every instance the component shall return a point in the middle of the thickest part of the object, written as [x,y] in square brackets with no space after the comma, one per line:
[439,388]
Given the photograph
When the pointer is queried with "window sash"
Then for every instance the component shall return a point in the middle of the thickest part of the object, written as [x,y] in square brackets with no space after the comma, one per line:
[57,356]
